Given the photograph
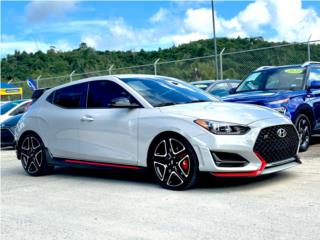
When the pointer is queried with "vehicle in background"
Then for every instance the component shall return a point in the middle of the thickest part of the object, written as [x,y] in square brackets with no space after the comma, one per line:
[3,102]
[14,108]
[203,84]
[152,122]
[7,131]
[221,88]
[292,90]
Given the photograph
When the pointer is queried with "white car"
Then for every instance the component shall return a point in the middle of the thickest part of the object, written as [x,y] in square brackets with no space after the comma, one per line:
[13,108]
[155,122]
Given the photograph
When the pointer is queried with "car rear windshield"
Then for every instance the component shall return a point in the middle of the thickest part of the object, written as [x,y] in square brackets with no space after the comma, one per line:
[167,91]
[274,79]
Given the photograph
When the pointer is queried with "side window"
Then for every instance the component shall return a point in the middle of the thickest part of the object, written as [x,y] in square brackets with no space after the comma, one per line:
[234,84]
[220,89]
[71,97]
[102,92]
[314,74]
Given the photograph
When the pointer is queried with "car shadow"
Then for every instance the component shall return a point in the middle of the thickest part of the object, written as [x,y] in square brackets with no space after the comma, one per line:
[206,181]
[315,140]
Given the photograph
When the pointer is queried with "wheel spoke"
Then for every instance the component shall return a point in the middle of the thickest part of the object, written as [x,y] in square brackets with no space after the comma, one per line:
[38,158]
[161,170]
[161,149]
[25,158]
[26,144]
[176,146]
[34,143]
[174,180]
[32,167]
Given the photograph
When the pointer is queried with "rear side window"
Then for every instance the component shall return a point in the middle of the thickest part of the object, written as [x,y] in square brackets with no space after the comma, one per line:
[70,97]
[102,92]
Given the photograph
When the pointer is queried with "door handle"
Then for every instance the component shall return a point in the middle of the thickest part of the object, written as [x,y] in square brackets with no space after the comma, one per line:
[86,118]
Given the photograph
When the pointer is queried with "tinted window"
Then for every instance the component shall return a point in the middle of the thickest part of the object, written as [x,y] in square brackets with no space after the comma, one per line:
[8,106]
[314,74]
[71,97]
[162,91]
[220,89]
[102,92]
[22,109]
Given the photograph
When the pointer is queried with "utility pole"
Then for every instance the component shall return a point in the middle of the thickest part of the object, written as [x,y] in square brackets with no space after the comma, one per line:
[221,67]
[309,52]
[214,39]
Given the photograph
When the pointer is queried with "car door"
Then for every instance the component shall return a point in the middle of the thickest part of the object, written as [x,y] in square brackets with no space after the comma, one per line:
[108,134]
[314,95]
[60,115]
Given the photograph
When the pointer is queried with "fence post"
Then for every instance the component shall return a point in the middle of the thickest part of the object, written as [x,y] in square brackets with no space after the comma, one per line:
[155,66]
[37,80]
[110,69]
[309,53]
[221,67]
[70,76]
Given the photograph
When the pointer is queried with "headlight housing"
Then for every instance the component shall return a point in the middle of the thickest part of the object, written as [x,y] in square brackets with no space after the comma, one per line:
[222,128]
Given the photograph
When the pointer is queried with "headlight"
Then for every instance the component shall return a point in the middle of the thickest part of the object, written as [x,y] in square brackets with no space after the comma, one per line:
[222,128]
[280,101]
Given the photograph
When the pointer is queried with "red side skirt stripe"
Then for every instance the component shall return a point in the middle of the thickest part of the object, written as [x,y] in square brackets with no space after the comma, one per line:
[102,164]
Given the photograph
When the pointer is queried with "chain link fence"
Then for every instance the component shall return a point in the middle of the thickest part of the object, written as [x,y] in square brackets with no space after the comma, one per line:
[232,65]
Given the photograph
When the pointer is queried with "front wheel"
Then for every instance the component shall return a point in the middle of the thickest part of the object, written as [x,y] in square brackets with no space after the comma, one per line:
[174,163]
[33,156]
[303,126]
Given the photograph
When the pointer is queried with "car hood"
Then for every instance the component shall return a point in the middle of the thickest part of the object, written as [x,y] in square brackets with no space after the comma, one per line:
[222,111]
[260,97]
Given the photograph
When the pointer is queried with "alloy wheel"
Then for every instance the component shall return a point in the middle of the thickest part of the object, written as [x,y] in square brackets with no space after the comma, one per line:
[303,128]
[172,163]
[31,155]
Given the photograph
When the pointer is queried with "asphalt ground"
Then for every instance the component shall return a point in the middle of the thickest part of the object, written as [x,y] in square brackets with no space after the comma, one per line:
[91,204]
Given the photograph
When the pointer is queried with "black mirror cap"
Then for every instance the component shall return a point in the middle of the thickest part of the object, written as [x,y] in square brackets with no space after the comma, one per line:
[232,90]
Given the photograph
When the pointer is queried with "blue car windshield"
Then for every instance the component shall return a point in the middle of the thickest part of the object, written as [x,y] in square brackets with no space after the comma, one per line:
[274,79]
[8,106]
[167,91]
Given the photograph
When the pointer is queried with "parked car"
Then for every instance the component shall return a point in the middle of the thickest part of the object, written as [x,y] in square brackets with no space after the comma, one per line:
[159,123]
[203,84]
[292,90]
[222,88]
[13,108]
[7,131]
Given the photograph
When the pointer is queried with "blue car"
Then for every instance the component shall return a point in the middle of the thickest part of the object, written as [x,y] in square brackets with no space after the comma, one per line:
[7,131]
[292,90]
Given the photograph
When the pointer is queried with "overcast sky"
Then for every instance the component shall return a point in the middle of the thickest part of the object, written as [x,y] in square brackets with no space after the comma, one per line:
[132,25]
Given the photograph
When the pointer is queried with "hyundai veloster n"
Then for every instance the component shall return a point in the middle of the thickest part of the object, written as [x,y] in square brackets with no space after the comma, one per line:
[159,123]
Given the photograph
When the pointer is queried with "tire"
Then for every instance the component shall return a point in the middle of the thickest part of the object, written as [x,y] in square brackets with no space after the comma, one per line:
[174,163]
[33,157]
[303,126]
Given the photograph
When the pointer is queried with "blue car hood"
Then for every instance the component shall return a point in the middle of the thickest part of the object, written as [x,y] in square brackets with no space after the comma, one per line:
[261,97]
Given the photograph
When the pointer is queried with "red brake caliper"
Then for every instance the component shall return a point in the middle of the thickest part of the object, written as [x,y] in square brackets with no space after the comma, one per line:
[185,165]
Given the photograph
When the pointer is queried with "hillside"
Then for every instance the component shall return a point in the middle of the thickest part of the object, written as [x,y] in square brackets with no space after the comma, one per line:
[21,65]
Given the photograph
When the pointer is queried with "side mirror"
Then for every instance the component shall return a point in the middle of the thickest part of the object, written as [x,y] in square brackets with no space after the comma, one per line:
[314,85]
[232,90]
[122,102]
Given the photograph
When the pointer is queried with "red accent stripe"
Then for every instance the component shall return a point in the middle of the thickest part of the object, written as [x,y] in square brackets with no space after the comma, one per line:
[244,174]
[102,164]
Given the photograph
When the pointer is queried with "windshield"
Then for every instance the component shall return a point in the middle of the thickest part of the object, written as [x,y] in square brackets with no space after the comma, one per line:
[8,106]
[166,91]
[274,79]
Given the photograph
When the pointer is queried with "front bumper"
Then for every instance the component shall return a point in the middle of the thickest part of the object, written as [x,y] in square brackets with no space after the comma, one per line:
[244,146]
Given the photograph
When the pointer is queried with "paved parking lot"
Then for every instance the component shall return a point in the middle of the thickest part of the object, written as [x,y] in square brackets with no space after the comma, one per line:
[89,204]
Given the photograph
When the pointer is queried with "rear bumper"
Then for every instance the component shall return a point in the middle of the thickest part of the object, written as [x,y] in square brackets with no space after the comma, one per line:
[7,138]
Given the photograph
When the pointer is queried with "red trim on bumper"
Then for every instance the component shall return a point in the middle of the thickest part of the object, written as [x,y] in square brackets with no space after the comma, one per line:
[244,174]
[102,164]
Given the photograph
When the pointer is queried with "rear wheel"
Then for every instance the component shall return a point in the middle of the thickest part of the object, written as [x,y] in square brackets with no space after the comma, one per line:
[303,126]
[33,156]
[174,163]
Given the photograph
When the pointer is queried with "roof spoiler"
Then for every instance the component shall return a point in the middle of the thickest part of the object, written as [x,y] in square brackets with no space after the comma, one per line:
[38,93]
[263,68]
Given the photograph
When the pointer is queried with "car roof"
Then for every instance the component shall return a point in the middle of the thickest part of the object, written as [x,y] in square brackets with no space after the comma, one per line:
[266,68]
[202,81]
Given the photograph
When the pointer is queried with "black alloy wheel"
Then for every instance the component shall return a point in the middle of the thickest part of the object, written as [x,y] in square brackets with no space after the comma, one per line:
[174,163]
[33,156]
[302,124]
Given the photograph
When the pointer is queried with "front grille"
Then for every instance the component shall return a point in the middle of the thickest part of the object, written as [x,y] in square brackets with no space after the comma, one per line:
[6,136]
[274,148]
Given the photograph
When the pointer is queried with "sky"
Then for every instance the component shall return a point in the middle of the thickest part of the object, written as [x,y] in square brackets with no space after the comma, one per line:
[133,25]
